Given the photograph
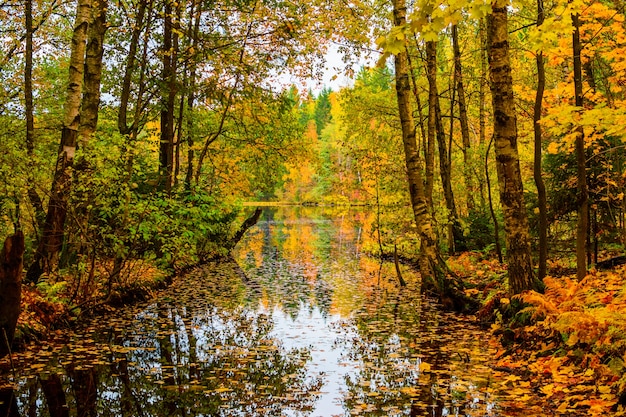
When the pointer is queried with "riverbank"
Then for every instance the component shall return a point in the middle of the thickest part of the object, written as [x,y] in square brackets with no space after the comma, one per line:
[569,344]
[51,304]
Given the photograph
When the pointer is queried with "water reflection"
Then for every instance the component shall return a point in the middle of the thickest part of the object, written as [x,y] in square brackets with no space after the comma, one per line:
[393,352]
[415,361]
[196,351]
[308,326]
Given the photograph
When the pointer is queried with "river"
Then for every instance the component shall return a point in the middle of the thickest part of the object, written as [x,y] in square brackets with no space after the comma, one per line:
[303,324]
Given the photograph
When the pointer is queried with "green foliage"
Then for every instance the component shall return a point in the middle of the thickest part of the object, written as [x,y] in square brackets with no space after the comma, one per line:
[121,215]
[322,110]
[54,292]
[479,231]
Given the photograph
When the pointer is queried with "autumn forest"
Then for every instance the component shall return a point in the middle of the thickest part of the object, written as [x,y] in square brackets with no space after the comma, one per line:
[472,160]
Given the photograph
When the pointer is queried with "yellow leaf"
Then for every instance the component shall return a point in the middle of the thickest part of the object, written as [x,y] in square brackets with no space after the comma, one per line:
[572,339]
[553,148]
[548,389]
[424,367]
[563,407]
[411,391]
[471,291]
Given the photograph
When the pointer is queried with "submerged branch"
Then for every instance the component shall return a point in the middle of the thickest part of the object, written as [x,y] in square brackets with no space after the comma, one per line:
[248,223]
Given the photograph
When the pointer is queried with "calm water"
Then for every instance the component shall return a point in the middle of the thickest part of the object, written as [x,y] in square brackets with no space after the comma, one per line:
[304,324]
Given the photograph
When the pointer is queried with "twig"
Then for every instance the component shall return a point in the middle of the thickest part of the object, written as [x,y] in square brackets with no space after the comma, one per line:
[6,340]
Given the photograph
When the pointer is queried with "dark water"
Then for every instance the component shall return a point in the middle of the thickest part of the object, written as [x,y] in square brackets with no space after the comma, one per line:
[303,324]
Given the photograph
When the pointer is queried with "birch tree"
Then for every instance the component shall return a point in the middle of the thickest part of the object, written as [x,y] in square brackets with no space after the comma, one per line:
[520,272]
[83,90]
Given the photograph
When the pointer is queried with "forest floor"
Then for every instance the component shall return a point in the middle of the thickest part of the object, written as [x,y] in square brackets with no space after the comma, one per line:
[567,345]
[56,304]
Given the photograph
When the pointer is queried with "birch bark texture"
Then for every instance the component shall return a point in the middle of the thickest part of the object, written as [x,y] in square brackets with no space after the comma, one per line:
[83,100]
[432,266]
[520,271]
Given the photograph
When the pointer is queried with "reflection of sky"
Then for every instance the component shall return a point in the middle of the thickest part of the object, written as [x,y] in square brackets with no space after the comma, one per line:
[310,329]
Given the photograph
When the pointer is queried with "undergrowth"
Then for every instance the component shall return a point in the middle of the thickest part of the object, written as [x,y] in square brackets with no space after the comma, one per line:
[58,301]
[570,343]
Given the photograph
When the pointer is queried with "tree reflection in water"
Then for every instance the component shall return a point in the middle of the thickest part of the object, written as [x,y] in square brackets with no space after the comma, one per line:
[193,352]
[414,361]
[313,327]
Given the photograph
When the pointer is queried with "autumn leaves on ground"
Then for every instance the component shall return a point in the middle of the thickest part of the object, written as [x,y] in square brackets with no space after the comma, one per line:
[567,344]
[133,132]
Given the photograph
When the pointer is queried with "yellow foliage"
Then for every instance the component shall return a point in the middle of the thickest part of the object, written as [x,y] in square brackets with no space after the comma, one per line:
[553,148]
[591,312]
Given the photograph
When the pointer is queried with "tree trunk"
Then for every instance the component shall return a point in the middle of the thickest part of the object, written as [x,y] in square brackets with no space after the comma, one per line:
[537,171]
[482,135]
[431,76]
[46,256]
[122,116]
[10,288]
[520,271]
[168,98]
[420,113]
[85,388]
[248,223]
[52,388]
[178,122]
[33,196]
[432,266]
[143,22]
[465,135]
[492,212]
[455,234]
[583,207]
[191,97]
[90,103]
[457,240]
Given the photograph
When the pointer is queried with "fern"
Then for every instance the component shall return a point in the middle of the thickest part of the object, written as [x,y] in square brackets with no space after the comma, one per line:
[540,305]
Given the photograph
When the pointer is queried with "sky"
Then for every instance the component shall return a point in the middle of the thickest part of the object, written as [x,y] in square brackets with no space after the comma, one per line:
[334,76]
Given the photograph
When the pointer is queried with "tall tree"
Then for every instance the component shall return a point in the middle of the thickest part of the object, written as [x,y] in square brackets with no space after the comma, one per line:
[455,234]
[169,56]
[194,25]
[537,165]
[322,110]
[463,120]
[90,102]
[141,23]
[520,272]
[46,256]
[431,75]
[482,83]
[432,266]
[581,170]
[29,108]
